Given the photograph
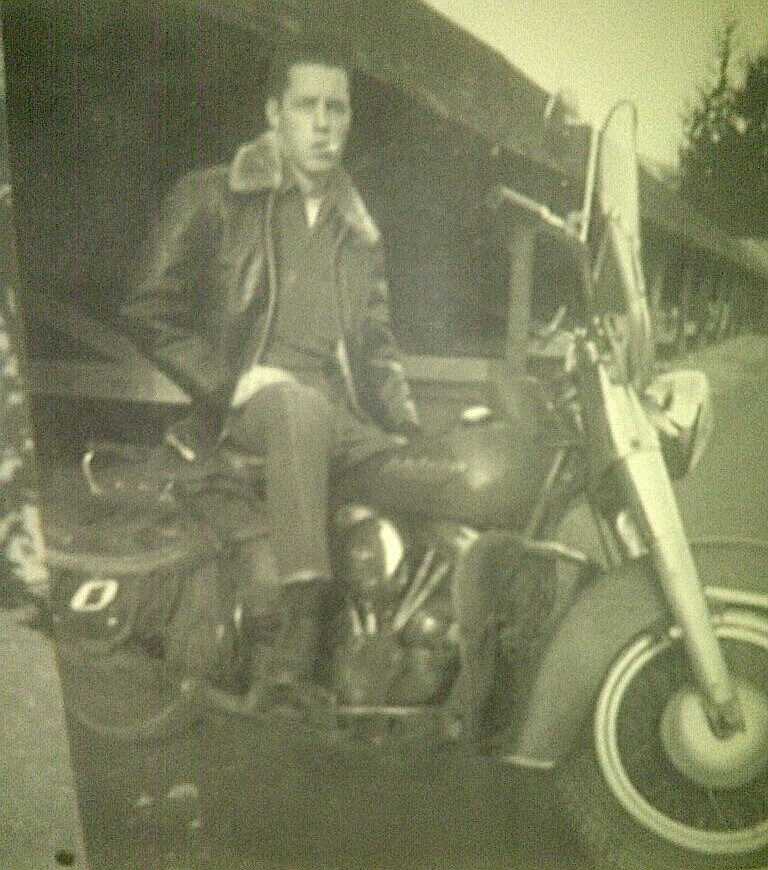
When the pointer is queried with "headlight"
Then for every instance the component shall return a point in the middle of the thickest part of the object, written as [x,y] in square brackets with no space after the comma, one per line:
[680,407]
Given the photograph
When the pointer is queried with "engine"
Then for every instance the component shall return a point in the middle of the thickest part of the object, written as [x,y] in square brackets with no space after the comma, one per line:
[397,640]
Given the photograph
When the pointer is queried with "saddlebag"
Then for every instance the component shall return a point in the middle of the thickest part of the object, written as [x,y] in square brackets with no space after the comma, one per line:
[146,580]
[151,589]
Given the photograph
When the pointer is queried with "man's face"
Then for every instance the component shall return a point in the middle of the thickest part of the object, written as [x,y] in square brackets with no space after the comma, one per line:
[312,118]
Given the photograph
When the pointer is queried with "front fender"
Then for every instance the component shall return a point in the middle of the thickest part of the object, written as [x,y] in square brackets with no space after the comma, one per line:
[605,616]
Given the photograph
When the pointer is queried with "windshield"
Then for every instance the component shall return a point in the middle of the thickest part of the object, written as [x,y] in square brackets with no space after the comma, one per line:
[617,169]
[619,296]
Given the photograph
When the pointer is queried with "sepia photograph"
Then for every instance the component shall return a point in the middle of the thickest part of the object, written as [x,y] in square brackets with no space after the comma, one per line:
[383,434]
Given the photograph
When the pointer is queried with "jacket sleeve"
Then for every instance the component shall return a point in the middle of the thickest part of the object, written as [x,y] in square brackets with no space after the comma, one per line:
[165,306]
[385,391]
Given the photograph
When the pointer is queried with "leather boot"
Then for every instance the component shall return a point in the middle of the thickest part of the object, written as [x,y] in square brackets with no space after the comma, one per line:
[291,660]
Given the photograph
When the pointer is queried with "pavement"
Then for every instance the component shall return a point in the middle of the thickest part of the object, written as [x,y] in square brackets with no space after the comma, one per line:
[228,795]
[728,493]
[39,820]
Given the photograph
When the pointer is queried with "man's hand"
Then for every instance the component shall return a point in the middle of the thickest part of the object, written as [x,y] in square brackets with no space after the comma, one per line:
[255,379]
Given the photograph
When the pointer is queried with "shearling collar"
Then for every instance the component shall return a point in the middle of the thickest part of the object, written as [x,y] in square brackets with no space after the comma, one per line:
[257,167]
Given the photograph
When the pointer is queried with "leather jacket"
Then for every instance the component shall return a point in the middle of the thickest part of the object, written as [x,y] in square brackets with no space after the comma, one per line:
[201,292]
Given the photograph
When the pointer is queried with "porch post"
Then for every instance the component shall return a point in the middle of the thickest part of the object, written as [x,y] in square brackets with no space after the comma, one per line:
[657,272]
[509,377]
[520,248]
[686,286]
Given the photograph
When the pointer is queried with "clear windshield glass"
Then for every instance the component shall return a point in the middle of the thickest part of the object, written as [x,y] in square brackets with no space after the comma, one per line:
[617,169]
[619,286]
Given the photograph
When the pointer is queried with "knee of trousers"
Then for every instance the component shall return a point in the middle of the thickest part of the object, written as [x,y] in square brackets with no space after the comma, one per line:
[302,409]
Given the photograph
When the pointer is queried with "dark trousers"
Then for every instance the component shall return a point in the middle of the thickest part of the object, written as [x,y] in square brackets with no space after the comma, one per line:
[292,426]
[310,442]
[306,439]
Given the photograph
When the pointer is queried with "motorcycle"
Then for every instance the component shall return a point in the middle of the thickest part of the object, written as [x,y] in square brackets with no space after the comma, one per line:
[463,620]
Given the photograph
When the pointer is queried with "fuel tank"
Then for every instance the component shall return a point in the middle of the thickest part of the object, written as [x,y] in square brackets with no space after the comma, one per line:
[499,468]
[482,474]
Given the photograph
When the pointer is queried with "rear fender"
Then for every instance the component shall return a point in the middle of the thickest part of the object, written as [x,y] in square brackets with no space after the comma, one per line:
[605,616]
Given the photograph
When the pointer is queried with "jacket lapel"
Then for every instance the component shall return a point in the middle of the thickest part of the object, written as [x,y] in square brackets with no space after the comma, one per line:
[257,168]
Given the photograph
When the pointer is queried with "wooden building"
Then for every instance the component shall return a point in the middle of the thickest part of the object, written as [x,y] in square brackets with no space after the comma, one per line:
[108,103]
[703,283]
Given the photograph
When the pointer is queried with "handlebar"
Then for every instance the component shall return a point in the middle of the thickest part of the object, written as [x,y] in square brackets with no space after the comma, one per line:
[506,194]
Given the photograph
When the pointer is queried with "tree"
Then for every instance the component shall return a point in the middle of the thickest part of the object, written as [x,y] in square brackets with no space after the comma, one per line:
[724,161]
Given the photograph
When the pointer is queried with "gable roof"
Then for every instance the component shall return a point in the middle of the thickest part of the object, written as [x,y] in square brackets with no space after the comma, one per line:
[409,46]
[662,206]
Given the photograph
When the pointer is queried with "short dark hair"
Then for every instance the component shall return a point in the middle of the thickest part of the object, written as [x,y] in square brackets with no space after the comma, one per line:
[323,50]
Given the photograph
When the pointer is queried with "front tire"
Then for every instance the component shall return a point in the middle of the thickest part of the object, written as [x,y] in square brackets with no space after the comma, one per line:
[630,807]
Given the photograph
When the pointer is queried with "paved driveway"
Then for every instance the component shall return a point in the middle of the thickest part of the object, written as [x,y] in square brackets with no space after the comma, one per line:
[728,493]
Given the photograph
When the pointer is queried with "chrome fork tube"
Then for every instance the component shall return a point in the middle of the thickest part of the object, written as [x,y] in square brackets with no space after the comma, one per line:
[656,504]
[636,448]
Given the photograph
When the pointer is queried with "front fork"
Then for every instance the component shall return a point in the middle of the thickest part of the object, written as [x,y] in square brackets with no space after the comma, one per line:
[655,506]
[655,518]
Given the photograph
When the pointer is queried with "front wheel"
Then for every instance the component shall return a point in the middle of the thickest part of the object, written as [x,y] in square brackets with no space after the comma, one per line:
[630,806]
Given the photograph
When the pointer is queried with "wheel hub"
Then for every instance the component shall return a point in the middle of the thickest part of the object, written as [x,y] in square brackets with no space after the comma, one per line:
[710,761]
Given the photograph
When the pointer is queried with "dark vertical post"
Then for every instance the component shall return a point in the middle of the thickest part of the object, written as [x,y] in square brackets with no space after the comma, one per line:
[657,271]
[520,248]
[510,375]
[686,286]
[38,807]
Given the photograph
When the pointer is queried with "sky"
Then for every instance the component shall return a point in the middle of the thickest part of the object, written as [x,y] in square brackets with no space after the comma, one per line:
[653,52]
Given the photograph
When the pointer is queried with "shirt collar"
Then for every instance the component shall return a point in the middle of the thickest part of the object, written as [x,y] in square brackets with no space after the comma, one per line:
[257,166]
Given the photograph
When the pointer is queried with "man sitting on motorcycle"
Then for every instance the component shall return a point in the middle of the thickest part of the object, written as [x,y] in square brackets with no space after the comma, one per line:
[262,294]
